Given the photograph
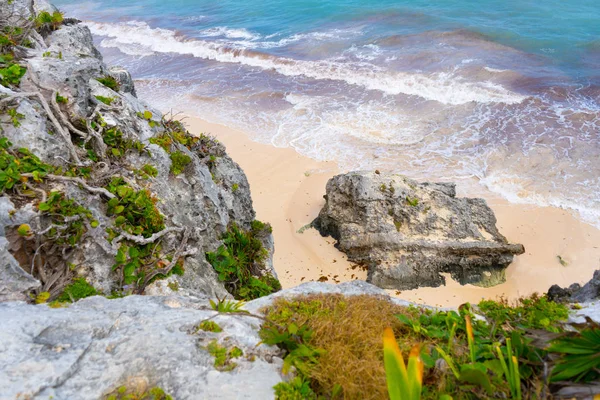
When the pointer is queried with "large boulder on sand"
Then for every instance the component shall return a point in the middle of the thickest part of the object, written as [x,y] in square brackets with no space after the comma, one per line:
[408,233]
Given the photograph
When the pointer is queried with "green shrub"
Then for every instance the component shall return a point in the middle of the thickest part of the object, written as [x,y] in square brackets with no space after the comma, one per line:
[44,20]
[241,253]
[11,75]
[61,100]
[296,389]
[110,82]
[77,290]
[535,312]
[179,161]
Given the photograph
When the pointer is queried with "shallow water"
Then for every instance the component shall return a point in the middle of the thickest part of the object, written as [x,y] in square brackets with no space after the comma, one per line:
[507,92]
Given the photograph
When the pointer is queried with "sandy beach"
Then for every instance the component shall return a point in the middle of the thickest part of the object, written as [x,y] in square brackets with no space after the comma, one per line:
[287,190]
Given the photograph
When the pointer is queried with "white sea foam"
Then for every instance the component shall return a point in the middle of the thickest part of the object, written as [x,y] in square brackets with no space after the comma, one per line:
[230,33]
[444,88]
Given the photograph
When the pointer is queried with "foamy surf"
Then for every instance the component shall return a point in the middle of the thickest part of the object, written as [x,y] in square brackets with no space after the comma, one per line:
[442,87]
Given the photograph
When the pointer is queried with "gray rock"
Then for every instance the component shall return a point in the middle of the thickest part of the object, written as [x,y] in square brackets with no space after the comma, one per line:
[576,293]
[33,132]
[96,345]
[73,41]
[407,233]
[207,197]
[14,282]
[124,78]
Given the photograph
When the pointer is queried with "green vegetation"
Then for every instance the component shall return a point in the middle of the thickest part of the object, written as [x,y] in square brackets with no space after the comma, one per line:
[223,356]
[404,382]
[147,171]
[334,343]
[179,161]
[106,100]
[135,212]
[241,254]
[123,393]
[413,202]
[536,312]
[227,306]
[209,326]
[46,22]
[68,218]
[11,75]
[62,100]
[296,389]
[110,82]
[580,359]
[235,187]
[15,117]
[77,290]
[116,142]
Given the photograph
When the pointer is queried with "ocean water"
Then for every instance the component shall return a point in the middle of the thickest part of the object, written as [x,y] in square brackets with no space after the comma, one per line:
[500,96]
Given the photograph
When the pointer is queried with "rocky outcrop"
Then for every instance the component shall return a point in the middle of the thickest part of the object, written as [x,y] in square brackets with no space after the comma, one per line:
[77,114]
[96,345]
[577,293]
[408,233]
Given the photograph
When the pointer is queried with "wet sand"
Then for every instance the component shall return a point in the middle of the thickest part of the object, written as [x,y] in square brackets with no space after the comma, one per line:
[287,191]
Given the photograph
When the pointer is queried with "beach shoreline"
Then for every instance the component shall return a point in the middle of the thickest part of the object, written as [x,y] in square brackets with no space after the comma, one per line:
[287,191]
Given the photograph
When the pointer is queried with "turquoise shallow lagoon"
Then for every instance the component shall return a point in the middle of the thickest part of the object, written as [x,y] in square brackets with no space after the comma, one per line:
[505,94]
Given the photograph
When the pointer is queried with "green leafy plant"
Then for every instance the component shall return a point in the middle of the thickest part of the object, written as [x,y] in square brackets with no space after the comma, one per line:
[296,389]
[15,117]
[294,340]
[535,312]
[116,142]
[580,356]
[404,382]
[110,82]
[179,161]
[12,75]
[209,326]
[50,21]
[241,253]
[510,367]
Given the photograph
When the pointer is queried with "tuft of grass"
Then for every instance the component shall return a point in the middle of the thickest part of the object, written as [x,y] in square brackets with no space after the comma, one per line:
[106,100]
[45,21]
[110,82]
[348,330]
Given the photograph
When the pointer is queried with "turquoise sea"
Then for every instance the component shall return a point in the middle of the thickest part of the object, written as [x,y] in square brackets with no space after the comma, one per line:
[505,94]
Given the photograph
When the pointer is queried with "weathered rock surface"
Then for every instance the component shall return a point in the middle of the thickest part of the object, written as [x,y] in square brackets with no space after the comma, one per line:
[408,233]
[577,293]
[96,345]
[210,194]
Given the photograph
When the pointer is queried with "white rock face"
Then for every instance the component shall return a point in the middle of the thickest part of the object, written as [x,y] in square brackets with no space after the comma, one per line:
[96,345]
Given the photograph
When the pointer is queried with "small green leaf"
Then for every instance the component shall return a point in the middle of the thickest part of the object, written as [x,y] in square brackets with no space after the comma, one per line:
[147,114]
[115,152]
[44,206]
[94,224]
[119,209]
